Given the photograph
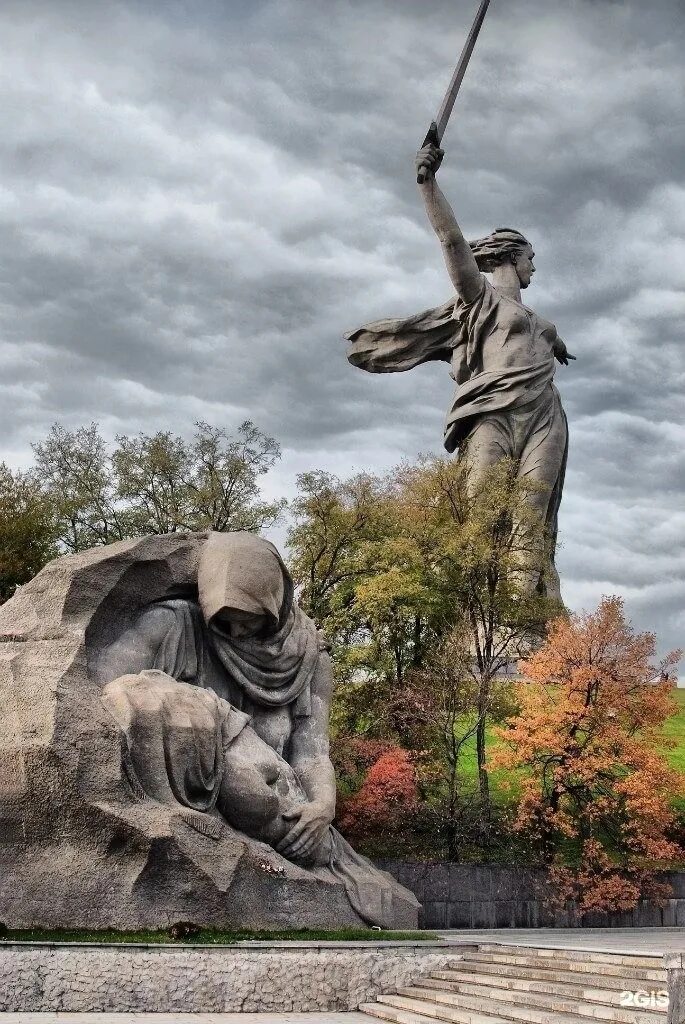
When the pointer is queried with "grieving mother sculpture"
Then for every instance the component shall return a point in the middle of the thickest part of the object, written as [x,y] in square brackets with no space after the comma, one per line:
[164,756]
[245,639]
[501,354]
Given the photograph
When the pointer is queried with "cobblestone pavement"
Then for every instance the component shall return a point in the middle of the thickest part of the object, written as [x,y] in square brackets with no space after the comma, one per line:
[184,1018]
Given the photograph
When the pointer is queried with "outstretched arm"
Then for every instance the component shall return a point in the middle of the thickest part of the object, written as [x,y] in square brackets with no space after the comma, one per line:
[460,261]
[561,352]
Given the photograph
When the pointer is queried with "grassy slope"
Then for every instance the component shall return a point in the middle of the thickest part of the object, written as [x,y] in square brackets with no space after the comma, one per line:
[675,730]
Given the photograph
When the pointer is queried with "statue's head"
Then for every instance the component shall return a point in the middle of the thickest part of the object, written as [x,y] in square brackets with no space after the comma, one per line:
[239,624]
[244,588]
[505,245]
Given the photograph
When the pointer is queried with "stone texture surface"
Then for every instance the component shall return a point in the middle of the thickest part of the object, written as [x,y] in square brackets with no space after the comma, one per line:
[675,967]
[77,847]
[188,1018]
[82,979]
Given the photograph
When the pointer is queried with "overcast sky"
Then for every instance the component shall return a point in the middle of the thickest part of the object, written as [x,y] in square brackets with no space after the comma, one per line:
[198,198]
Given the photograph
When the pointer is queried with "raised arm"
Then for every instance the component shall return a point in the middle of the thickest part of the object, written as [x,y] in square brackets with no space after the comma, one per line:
[460,261]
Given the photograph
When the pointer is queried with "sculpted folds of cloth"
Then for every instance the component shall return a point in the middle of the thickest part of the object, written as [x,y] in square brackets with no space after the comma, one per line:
[228,711]
[502,358]
[243,636]
[185,702]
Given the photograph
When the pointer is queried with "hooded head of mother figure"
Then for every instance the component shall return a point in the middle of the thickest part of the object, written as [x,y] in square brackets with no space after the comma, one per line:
[264,641]
[244,588]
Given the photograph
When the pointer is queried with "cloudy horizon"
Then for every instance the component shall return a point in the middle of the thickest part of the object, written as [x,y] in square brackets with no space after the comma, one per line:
[198,200]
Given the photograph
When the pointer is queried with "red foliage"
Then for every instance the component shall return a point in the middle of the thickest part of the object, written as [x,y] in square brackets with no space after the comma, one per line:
[388,796]
[354,755]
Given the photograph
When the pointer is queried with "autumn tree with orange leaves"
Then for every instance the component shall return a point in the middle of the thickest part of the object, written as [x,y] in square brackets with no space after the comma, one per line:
[596,795]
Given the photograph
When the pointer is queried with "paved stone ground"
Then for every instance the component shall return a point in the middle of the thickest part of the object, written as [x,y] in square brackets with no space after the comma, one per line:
[607,940]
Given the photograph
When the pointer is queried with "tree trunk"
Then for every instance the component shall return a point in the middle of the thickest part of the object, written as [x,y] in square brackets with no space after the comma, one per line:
[451,825]
[418,647]
[483,779]
[481,752]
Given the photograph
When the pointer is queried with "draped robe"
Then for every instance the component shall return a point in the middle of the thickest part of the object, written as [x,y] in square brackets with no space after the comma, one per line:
[242,572]
[179,716]
[502,359]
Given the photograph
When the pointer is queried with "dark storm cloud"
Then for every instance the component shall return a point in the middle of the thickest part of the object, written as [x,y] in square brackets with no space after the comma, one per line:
[197,200]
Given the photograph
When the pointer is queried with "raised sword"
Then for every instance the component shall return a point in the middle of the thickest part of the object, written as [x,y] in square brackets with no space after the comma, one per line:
[437,128]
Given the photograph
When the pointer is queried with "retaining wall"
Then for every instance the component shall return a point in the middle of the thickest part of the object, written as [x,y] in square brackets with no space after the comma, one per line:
[292,977]
[489,896]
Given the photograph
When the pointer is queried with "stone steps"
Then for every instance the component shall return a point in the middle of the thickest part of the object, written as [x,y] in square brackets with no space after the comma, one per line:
[501,985]
[532,1006]
[419,1011]
[500,953]
[394,1013]
[474,984]
[414,1011]
[581,973]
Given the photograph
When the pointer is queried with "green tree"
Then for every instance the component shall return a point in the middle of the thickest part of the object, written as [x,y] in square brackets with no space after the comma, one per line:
[150,479]
[438,712]
[391,565]
[154,484]
[332,520]
[74,469]
[223,482]
[27,530]
[486,545]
